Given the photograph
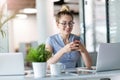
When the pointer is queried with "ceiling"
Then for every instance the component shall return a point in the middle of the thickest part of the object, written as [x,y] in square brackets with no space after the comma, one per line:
[16,5]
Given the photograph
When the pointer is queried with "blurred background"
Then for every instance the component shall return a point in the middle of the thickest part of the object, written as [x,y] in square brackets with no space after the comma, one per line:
[96,21]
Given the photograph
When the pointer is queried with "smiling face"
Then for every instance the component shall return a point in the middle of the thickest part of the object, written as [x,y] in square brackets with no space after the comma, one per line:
[65,24]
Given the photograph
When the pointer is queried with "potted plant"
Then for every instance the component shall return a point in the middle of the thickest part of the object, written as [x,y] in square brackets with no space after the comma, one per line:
[38,56]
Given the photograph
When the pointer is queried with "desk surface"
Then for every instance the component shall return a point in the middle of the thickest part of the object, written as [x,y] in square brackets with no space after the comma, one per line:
[72,76]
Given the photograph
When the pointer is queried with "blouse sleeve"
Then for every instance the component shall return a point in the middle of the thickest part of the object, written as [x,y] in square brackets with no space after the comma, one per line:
[49,41]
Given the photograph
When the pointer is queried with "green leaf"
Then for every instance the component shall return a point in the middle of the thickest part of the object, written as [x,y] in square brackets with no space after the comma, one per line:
[3,33]
[39,54]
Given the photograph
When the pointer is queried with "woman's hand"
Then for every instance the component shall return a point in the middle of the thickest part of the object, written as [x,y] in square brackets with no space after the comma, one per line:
[71,47]
[79,46]
[84,53]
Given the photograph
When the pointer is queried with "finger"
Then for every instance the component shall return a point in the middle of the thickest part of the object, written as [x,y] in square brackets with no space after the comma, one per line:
[77,45]
[76,41]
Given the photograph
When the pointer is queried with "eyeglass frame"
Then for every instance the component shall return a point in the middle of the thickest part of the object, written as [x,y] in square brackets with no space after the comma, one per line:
[70,24]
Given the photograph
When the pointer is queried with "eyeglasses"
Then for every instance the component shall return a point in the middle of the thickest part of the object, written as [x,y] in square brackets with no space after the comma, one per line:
[70,24]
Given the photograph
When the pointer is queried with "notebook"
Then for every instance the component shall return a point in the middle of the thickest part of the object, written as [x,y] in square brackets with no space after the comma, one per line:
[108,58]
[11,64]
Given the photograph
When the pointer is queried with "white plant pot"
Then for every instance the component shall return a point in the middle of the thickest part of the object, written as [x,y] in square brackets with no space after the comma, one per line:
[39,69]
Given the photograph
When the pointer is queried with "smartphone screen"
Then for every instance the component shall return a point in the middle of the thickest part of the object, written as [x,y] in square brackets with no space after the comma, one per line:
[76,38]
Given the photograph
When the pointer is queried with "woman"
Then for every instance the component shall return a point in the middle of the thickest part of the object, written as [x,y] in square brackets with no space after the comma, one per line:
[65,46]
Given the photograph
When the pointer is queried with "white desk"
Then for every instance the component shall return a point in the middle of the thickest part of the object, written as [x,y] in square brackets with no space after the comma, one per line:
[68,76]
[91,76]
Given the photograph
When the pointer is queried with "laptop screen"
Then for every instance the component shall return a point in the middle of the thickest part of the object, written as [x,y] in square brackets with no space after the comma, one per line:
[11,64]
[108,57]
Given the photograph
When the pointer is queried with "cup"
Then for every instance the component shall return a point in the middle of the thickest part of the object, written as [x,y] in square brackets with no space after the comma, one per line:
[56,69]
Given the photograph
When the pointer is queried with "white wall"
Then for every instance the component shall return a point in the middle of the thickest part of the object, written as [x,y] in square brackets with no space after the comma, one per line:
[24,30]
[76,29]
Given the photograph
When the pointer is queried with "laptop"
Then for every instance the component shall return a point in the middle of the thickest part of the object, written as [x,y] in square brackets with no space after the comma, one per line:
[108,58]
[11,64]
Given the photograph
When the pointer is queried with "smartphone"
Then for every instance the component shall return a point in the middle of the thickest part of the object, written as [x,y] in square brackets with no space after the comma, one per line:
[76,38]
